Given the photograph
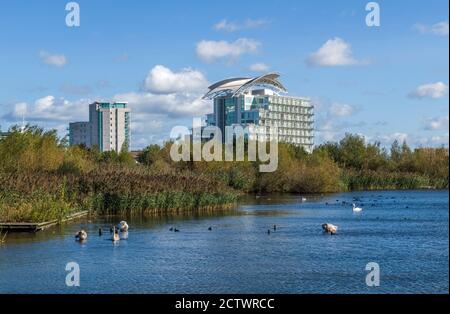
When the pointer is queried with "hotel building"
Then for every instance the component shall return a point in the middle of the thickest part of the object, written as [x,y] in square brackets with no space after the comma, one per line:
[260,103]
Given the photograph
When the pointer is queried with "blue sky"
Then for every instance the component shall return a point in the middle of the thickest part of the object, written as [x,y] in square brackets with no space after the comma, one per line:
[387,82]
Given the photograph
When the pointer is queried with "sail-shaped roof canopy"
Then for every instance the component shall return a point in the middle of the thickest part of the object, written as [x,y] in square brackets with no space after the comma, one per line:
[238,85]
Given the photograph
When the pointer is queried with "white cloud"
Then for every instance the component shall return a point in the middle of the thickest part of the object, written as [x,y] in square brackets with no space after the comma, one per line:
[335,52]
[20,109]
[440,123]
[388,139]
[341,110]
[227,26]
[440,28]
[210,50]
[163,80]
[432,90]
[49,109]
[174,105]
[259,67]
[52,59]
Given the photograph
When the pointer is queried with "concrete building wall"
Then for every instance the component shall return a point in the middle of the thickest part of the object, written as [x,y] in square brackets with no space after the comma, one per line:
[108,127]
[79,133]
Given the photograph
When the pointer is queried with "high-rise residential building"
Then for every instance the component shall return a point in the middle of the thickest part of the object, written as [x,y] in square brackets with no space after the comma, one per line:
[260,103]
[80,133]
[108,127]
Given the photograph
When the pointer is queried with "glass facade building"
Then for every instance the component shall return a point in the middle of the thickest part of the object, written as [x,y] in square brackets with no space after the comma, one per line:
[260,107]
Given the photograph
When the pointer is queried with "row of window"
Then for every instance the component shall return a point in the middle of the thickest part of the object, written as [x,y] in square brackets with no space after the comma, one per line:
[296,140]
[288,124]
[291,109]
[287,116]
[289,101]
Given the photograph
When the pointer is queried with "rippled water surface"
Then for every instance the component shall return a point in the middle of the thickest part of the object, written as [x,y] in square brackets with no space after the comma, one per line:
[405,232]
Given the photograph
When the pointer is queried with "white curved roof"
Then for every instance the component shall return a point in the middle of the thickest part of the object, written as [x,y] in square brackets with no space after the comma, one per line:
[238,85]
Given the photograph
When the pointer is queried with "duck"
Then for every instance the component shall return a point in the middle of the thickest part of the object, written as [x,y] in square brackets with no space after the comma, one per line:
[329,228]
[356,209]
[81,235]
[123,226]
[274,227]
[115,236]
[176,230]
[210,228]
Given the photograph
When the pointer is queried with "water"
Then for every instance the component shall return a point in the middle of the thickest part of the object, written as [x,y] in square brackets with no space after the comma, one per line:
[405,232]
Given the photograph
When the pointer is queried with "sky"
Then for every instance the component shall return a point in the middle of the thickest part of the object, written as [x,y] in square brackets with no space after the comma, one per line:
[383,82]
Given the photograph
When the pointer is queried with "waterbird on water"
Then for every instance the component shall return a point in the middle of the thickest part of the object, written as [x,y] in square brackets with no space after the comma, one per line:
[274,227]
[268,231]
[100,232]
[171,229]
[210,228]
[329,228]
[81,235]
[123,226]
[356,209]
[176,230]
[115,236]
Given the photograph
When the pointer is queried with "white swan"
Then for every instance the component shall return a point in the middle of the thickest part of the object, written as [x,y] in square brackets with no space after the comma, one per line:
[329,228]
[356,209]
[303,199]
[123,226]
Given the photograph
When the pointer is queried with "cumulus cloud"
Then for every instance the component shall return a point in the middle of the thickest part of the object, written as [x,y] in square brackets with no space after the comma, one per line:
[259,67]
[211,50]
[431,90]
[440,29]
[440,123]
[173,105]
[163,80]
[49,110]
[341,110]
[227,26]
[57,60]
[335,52]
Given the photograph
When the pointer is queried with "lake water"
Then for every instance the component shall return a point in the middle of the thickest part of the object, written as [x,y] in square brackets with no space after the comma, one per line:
[405,232]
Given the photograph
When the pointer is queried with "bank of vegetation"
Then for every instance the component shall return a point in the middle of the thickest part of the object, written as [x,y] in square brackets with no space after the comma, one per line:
[41,178]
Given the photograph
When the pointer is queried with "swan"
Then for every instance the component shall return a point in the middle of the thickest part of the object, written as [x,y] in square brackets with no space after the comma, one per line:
[303,199]
[115,236]
[356,209]
[123,226]
[81,235]
[329,228]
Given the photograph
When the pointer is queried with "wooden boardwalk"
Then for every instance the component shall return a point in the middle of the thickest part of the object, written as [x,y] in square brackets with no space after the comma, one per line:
[34,227]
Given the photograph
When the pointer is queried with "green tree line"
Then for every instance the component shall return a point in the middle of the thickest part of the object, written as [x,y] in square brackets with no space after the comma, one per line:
[43,178]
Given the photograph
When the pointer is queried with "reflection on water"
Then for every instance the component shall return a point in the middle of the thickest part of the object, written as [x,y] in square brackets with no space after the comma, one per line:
[406,232]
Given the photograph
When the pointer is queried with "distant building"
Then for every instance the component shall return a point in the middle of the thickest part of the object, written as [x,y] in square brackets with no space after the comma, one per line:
[80,133]
[258,103]
[108,127]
